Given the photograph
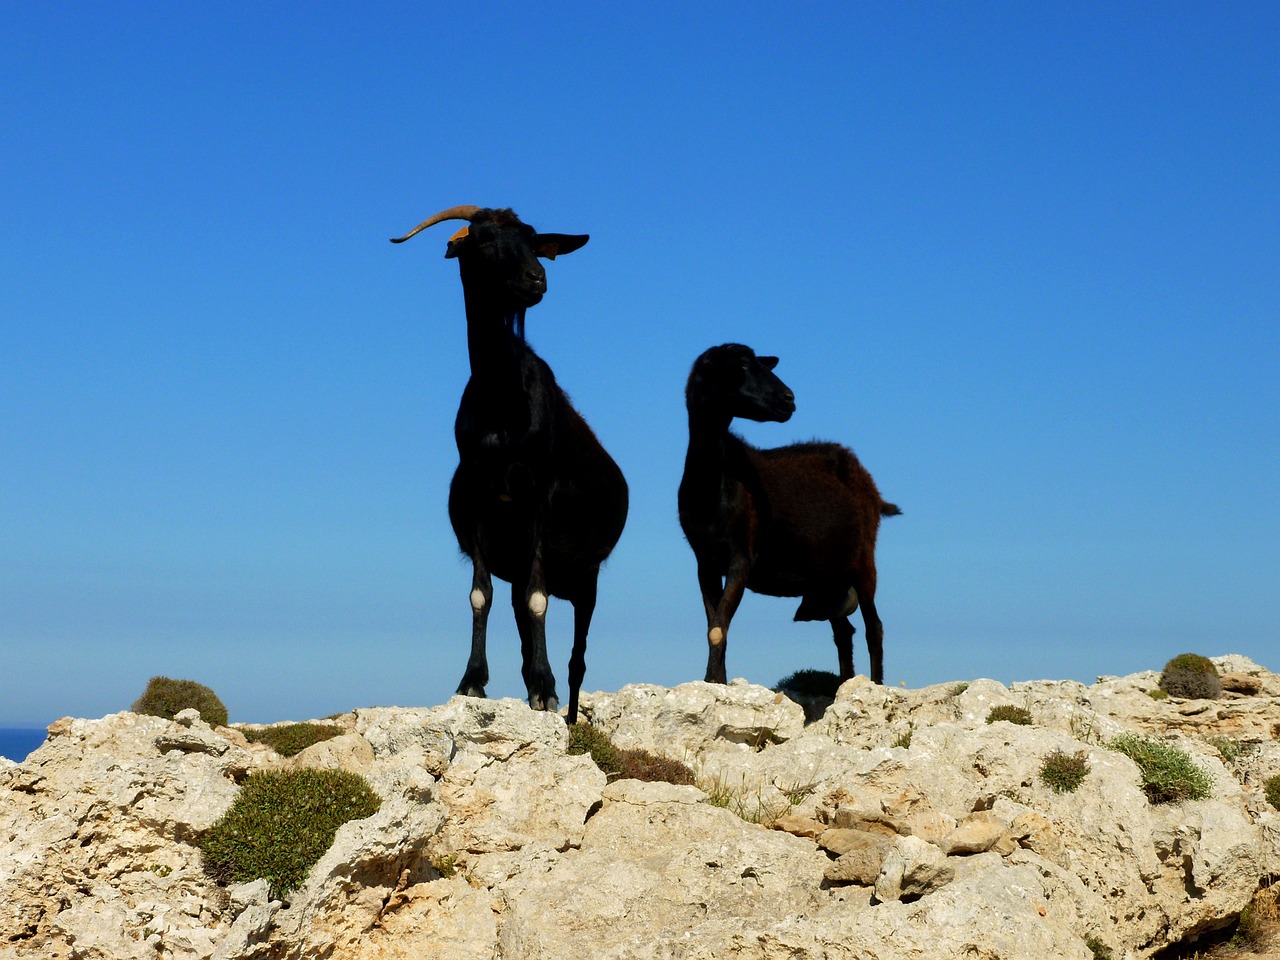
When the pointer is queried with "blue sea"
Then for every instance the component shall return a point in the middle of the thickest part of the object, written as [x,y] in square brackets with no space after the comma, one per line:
[17,742]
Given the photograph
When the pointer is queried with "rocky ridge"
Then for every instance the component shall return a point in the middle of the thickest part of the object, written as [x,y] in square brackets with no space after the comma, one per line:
[898,824]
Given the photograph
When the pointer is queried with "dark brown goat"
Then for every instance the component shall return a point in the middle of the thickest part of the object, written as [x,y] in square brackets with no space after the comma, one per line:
[536,500]
[795,521]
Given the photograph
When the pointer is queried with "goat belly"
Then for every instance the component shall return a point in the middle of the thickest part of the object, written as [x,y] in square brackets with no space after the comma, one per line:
[776,583]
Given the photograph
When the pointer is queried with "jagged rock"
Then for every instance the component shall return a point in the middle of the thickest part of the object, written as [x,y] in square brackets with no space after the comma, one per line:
[691,718]
[1241,683]
[861,856]
[349,751]
[492,842]
[978,833]
[913,868]
[800,826]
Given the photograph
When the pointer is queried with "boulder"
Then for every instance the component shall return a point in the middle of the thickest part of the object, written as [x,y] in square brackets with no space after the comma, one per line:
[493,842]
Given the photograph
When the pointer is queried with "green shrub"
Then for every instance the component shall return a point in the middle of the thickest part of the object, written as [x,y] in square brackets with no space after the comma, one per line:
[1271,787]
[811,683]
[1099,949]
[1064,772]
[584,738]
[291,738]
[904,740]
[1168,774]
[959,688]
[166,698]
[643,765]
[1229,750]
[1158,694]
[625,764]
[281,823]
[445,864]
[1191,676]
[1010,713]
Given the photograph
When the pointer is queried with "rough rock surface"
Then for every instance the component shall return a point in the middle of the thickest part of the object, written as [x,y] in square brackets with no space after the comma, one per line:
[903,826]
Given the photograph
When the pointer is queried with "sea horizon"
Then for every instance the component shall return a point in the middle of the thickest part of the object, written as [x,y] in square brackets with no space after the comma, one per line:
[17,743]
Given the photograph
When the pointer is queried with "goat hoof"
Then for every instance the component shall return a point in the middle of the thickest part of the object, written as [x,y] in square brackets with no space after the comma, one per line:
[470,690]
[550,704]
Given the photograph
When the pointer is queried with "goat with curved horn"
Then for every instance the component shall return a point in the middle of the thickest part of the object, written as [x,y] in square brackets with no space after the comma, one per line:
[536,500]
[463,212]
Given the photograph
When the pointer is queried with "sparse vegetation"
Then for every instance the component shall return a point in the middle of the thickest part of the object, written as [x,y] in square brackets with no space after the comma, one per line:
[1169,775]
[281,823]
[291,738]
[1191,676]
[584,738]
[1084,728]
[811,683]
[445,864]
[625,764]
[1018,715]
[1064,772]
[1230,750]
[1099,949]
[166,697]
[754,804]
[1259,924]
[1271,787]
[959,688]
[1158,694]
[904,740]
[643,765]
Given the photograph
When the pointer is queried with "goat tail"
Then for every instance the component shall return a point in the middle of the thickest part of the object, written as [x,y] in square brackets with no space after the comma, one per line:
[888,509]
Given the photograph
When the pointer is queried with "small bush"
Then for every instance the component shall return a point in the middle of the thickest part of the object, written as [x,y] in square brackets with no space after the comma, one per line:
[1008,712]
[1099,949]
[584,738]
[904,740]
[167,698]
[1064,772]
[625,764]
[643,765]
[1271,787]
[1229,750]
[959,688]
[291,739]
[1168,774]
[445,864]
[811,683]
[281,823]
[1191,676]
[1158,694]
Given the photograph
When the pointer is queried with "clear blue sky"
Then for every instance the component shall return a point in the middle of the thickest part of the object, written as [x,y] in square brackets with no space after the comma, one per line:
[1023,258]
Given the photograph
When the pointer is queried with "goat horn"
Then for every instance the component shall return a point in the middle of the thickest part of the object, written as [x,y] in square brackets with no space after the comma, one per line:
[464,212]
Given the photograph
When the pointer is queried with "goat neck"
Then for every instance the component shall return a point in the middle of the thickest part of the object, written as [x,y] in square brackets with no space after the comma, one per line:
[709,445]
[495,333]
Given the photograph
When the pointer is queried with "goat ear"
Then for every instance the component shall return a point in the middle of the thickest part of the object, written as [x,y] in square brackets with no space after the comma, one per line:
[768,362]
[551,245]
[455,242]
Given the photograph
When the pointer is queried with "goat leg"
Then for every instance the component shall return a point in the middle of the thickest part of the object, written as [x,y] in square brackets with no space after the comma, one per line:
[721,614]
[539,681]
[477,674]
[584,605]
[842,633]
[875,636]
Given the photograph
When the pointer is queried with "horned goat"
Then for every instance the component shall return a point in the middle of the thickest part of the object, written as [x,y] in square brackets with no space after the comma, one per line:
[536,500]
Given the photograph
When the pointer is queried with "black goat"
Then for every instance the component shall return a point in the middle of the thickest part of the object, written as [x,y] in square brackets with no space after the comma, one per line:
[535,500]
[795,521]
